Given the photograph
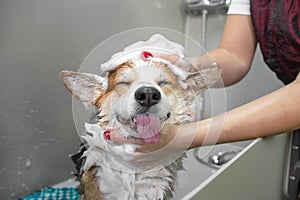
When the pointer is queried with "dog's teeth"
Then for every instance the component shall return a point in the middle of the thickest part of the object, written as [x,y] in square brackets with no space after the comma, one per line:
[133,119]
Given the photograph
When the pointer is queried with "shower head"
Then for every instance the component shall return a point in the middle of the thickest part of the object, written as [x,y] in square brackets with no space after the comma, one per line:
[196,7]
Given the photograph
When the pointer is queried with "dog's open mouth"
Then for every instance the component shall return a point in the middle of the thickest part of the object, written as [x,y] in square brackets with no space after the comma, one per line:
[148,126]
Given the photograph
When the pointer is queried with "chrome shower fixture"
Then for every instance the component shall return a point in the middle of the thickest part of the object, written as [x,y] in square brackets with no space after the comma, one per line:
[197,7]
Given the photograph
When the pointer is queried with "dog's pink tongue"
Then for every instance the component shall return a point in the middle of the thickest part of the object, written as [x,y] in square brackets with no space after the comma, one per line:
[149,128]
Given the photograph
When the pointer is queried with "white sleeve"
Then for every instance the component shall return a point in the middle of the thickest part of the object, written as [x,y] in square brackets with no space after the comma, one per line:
[241,7]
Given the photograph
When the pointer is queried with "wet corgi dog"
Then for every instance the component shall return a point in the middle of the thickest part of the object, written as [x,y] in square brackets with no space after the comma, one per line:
[137,94]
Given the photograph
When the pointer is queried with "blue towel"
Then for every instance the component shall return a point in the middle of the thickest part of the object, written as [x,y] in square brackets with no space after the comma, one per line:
[54,194]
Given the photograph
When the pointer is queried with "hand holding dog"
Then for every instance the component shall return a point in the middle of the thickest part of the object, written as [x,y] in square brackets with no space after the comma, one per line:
[189,64]
[172,144]
[169,131]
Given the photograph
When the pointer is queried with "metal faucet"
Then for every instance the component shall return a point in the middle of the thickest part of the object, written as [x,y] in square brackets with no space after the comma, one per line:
[196,7]
[222,157]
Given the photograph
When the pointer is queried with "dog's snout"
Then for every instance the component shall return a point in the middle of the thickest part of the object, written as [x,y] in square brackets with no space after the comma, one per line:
[147,96]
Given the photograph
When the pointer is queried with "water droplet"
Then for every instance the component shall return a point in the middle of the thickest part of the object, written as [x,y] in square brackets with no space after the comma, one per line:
[28,163]
[51,140]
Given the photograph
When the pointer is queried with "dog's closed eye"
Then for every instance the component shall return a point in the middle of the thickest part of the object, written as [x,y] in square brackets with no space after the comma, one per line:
[124,83]
[122,87]
[163,83]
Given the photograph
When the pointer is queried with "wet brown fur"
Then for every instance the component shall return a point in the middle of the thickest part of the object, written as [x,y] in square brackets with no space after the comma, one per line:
[89,187]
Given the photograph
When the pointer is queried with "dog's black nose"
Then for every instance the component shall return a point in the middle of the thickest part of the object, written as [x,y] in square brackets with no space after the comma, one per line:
[147,96]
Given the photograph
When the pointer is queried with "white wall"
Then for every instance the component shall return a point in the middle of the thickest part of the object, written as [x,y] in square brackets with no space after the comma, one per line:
[38,39]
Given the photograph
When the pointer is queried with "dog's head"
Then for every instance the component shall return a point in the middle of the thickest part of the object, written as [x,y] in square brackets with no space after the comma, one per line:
[137,96]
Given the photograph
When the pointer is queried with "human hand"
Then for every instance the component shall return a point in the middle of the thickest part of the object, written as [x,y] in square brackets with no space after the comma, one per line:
[172,144]
[189,64]
[168,133]
[201,72]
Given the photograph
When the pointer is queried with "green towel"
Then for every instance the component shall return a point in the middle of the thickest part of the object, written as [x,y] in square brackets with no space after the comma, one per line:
[54,194]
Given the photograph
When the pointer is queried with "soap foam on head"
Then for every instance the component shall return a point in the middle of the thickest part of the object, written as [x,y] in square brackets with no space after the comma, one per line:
[156,44]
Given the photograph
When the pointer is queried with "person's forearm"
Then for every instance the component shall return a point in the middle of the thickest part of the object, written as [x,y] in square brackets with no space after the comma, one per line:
[272,114]
[233,69]
[236,49]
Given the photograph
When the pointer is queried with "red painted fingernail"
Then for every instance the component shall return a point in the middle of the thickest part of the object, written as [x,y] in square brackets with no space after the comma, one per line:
[146,54]
[106,135]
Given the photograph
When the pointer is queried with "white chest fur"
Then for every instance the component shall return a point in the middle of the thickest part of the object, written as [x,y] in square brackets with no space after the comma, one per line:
[118,178]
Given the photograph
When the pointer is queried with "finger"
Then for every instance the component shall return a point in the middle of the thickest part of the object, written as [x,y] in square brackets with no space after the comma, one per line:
[176,60]
[147,148]
[202,62]
[172,58]
[116,136]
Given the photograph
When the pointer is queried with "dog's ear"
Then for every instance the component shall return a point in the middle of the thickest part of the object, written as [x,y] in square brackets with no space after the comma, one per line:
[200,80]
[84,86]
